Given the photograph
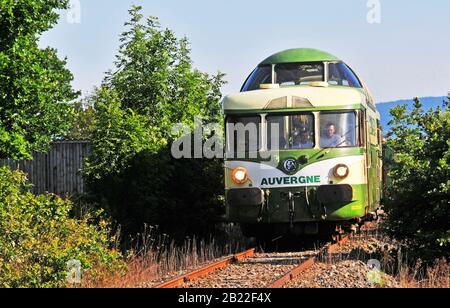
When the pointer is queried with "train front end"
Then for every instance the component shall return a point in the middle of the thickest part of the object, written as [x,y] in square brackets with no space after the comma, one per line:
[302,147]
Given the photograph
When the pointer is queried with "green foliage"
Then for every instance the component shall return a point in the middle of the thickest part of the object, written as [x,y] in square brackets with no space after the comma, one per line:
[131,172]
[119,135]
[418,203]
[82,127]
[38,238]
[154,76]
[34,83]
[183,197]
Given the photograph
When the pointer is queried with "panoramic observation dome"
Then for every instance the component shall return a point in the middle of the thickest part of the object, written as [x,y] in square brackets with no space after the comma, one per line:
[301,67]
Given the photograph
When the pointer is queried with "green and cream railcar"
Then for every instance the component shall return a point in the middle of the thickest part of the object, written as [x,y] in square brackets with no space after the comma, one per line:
[303,147]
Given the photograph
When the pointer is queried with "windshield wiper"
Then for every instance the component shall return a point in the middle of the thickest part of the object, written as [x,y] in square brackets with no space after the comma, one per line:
[337,146]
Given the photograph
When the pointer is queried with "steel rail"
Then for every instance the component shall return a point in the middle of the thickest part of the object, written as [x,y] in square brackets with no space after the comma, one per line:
[304,266]
[206,270]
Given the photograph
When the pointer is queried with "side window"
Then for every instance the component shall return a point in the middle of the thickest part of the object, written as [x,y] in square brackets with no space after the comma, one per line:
[341,75]
[260,75]
[362,127]
[380,134]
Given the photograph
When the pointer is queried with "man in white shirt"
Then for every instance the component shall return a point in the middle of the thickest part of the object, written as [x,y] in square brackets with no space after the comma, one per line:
[330,139]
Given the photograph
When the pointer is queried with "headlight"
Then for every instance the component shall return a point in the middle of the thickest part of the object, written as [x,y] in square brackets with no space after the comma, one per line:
[341,171]
[239,175]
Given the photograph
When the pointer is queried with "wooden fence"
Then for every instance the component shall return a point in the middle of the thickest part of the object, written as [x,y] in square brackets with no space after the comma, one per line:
[58,171]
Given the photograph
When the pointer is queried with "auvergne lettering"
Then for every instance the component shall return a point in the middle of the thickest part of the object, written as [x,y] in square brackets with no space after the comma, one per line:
[311,179]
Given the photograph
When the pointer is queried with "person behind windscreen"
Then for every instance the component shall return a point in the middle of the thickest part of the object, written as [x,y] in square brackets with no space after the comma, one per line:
[330,139]
[302,140]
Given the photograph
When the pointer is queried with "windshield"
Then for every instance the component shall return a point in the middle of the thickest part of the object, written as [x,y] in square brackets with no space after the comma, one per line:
[294,74]
[292,131]
[338,130]
[243,134]
[285,132]
[289,74]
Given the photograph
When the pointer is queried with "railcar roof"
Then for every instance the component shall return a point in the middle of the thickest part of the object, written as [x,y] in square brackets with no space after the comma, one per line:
[317,96]
[299,55]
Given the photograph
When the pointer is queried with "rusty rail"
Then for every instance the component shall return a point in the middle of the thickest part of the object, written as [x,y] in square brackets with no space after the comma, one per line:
[204,271]
[304,266]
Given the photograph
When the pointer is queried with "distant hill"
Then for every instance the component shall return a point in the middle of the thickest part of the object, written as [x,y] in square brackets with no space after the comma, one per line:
[427,102]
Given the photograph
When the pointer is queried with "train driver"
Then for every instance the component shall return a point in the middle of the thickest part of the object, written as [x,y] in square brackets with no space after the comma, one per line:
[330,139]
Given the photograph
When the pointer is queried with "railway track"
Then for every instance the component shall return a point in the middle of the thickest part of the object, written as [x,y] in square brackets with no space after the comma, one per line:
[254,270]
[205,271]
[296,272]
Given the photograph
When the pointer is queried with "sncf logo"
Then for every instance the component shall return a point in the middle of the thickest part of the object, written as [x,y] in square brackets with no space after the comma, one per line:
[290,165]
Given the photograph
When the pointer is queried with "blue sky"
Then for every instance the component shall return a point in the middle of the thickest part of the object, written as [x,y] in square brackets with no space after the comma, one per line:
[405,55]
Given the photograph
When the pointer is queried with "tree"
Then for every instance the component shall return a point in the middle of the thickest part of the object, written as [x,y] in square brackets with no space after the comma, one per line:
[118,136]
[154,76]
[418,203]
[82,126]
[34,84]
[131,172]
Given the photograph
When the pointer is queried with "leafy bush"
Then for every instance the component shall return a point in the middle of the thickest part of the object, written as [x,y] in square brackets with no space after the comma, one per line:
[38,237]
[417,200]
[183,197]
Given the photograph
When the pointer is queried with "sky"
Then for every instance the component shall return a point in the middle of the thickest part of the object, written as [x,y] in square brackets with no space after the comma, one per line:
[399,47]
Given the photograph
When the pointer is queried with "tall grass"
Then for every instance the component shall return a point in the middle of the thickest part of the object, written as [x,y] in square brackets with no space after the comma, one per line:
[155,257]
[408,273]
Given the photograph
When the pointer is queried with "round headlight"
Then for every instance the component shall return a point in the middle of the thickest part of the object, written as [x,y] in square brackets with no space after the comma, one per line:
[341,171]
[239,175]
